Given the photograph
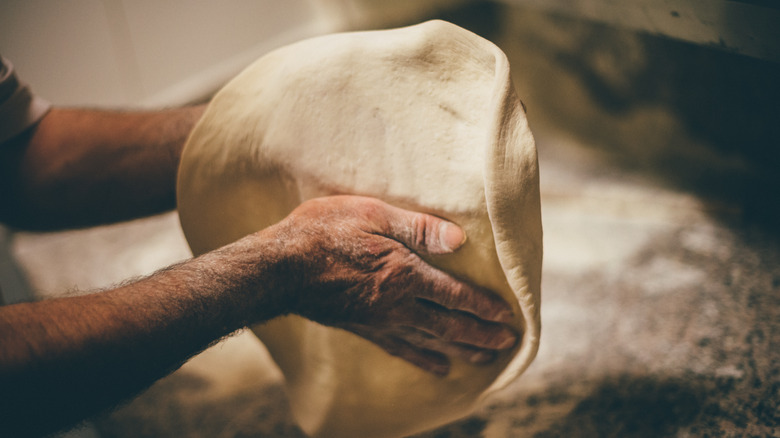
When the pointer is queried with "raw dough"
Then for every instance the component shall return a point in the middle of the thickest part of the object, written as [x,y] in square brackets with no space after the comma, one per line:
[423,117]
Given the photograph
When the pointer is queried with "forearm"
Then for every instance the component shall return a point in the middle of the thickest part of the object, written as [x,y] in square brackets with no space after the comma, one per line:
[63,360]
[334,260]
[82,167]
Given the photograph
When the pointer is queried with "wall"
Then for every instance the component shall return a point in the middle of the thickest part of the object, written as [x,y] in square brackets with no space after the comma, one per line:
[143,52]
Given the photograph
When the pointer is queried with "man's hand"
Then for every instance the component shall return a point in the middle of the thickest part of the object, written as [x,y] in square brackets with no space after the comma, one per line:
[344,261]
[359,271]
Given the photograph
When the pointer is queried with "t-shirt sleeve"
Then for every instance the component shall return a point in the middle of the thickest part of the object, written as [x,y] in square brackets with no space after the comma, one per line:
[19,107]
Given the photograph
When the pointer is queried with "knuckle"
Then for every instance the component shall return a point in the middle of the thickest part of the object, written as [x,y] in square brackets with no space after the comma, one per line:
[417,231]
[371,210]
[426,232]
[456,294]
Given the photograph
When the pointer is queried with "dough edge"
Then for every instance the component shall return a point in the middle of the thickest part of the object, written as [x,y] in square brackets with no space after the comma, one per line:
[509,127]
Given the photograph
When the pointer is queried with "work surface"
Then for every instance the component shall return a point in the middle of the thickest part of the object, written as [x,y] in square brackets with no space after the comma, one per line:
[661,281]
[658,320]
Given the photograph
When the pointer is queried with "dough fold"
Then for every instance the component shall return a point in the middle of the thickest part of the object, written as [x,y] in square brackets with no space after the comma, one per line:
[425,118]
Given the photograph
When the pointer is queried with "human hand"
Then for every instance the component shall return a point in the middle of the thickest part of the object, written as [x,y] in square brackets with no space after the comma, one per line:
[355,266]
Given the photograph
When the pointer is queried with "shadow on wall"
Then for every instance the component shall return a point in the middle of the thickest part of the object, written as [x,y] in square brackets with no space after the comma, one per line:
[700,119]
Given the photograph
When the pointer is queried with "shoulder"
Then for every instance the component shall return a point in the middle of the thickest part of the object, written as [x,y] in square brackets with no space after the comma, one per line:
[19,107]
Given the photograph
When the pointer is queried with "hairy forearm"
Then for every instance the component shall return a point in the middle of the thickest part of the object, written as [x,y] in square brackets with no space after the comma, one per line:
[82,167]
[65,359]
[342,261]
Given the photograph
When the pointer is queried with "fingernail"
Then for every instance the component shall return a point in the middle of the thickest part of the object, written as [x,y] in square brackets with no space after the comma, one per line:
[451,236]
[509,342]
[481,357]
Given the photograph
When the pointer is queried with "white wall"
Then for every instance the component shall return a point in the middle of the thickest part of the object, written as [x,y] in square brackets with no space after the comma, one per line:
[157,53]
[143,52]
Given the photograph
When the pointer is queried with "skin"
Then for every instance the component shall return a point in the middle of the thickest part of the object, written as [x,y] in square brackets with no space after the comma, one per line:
[348,262]
[79,168]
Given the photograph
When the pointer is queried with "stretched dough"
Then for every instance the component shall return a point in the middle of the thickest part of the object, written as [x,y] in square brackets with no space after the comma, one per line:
[424,117]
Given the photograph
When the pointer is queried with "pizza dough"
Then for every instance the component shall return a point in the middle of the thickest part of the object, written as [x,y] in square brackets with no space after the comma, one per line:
[424,117]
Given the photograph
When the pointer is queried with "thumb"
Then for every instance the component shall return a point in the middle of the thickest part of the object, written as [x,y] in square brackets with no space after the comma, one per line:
[423,233]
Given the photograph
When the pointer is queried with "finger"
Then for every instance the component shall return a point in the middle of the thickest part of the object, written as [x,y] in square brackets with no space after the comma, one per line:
[477,356]
[428,360]
[420,232]
[446,291]
[459,327]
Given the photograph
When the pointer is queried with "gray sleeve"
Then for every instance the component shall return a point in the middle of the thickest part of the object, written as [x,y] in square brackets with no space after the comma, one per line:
[19,108]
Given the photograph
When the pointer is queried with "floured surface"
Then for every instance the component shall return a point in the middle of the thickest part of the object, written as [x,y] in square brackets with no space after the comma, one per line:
[632,346]
[423,117]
